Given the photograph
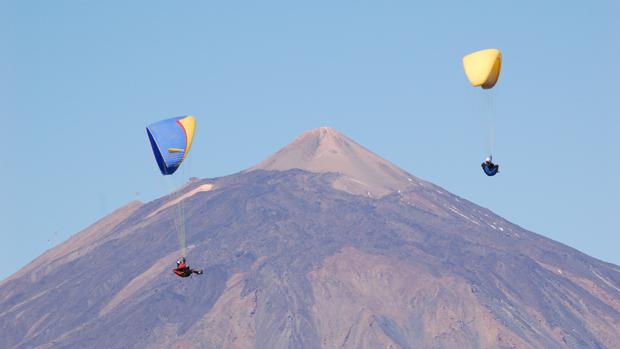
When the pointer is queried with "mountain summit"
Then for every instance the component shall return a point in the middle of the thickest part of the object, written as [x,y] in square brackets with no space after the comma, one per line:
[323,245]
[325,150]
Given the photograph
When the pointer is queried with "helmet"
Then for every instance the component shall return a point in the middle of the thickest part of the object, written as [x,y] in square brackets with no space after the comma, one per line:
[489,159]
[182,260]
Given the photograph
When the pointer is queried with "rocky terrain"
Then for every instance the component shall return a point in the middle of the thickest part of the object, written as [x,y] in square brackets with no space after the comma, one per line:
[322,245]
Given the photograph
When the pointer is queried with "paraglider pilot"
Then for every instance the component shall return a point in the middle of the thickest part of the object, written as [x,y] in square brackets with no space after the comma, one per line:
[183,270]
[489,168]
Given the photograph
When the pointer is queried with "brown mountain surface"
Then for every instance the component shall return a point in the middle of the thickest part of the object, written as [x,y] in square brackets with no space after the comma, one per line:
[323,245]
[77,245]
[326,150]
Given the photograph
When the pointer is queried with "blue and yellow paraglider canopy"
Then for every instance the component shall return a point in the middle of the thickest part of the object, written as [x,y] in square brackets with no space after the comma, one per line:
[171,140]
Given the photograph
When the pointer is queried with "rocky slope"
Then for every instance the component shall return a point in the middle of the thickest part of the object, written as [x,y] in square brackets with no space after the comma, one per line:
[323,245]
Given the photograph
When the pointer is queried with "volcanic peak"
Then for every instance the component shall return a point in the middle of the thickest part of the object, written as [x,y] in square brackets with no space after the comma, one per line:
[325,150]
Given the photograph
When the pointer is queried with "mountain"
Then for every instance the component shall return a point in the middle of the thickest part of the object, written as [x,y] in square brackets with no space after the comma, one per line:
[326,150]
[322,245]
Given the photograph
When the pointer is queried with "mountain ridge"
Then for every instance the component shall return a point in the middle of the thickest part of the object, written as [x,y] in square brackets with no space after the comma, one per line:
[292,260]
[324,150]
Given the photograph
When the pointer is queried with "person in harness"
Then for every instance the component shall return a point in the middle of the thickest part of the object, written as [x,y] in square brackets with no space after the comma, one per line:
[489,168]
[183,270]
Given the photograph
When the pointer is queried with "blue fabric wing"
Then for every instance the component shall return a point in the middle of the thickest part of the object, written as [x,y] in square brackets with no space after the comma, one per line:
[164,136]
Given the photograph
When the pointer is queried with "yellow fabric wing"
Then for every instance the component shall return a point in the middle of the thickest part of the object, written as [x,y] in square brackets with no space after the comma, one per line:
[483,67]
[189,125]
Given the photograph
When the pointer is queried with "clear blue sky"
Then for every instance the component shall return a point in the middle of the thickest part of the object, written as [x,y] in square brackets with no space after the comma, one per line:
[79,80]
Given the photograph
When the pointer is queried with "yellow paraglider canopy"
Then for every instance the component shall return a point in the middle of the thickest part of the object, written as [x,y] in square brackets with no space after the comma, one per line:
[483,67]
